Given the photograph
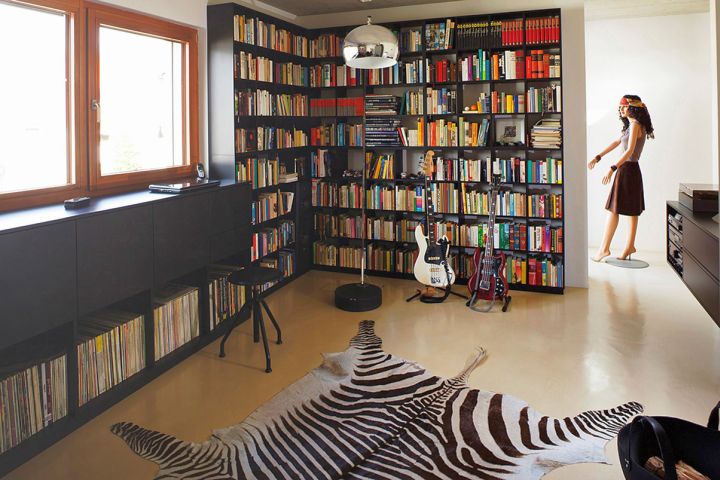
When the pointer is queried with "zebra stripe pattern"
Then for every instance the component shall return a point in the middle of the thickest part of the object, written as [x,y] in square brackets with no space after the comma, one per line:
[366,414]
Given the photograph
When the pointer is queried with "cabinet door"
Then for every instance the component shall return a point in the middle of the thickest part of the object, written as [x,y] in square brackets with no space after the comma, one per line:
[230,212]
[38,281]
[702,246]
[182,237]
[115,256]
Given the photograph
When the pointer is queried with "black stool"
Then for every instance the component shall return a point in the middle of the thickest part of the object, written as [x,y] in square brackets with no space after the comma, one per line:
[254,277]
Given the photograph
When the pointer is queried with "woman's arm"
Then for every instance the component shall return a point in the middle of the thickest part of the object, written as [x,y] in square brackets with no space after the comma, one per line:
[610,148]
[632,141]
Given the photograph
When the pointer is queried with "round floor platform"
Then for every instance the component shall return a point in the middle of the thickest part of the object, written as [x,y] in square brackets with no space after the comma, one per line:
[632,263]
[358,297]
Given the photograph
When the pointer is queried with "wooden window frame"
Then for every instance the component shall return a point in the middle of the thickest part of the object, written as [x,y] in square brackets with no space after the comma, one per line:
[75,99]
[99,15]
[84,19]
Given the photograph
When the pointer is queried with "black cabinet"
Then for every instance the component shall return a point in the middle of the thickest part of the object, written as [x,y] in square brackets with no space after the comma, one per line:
[692,251]
[115,256]
[117,253]
[38,281]
[181,236]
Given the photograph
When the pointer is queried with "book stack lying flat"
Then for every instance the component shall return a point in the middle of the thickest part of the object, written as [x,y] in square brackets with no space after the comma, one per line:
[382,132]
[378,104]
[546,134]
[289,177]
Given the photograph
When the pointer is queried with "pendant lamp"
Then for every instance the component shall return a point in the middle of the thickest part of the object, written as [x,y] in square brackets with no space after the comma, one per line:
[370,46]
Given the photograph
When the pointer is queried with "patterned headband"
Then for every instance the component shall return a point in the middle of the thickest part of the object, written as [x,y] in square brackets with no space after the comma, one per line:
[624,102]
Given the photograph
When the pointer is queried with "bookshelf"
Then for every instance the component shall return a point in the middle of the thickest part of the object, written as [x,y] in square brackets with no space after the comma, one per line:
[481,102]
[113,281]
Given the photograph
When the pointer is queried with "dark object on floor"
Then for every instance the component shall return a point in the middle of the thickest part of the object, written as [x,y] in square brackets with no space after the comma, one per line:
[671,439]
[255,277]
[358,297]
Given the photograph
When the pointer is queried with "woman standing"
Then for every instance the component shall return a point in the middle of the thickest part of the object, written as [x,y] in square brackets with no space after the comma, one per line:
[626,194]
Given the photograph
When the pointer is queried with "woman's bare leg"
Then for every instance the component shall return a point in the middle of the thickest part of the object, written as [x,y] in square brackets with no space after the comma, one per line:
[630,247]
[610,227]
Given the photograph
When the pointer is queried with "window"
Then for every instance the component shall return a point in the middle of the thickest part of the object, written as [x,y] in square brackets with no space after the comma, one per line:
[37,94]
[92,107]
[143,113]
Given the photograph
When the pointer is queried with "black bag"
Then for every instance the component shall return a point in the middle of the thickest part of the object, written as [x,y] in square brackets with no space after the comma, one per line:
[671,439]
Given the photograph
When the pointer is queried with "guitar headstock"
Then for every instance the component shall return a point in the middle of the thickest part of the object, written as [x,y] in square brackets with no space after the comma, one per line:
[427,165]
[495,183]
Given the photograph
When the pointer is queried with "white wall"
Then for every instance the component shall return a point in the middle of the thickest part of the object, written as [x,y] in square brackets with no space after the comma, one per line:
[573,70]
[664,60]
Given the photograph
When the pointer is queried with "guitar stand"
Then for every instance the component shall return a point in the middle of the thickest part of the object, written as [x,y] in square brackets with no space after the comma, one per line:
[426,299]
[471,304]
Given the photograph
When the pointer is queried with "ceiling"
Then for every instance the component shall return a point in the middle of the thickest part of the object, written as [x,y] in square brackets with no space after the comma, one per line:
[594,9]
[316,7]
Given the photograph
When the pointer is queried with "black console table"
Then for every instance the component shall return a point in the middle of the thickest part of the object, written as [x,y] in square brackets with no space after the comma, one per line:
[692,251]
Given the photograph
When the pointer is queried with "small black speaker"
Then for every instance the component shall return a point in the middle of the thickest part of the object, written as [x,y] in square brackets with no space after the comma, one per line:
[358,297]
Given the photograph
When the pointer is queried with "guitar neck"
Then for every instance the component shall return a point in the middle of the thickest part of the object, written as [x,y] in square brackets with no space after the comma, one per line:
[429,213]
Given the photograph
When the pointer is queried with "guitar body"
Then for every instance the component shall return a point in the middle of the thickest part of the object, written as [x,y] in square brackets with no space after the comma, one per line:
[497,285]
[429,267]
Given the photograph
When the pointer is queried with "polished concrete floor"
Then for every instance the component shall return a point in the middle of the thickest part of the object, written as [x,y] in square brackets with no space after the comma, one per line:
[633,335]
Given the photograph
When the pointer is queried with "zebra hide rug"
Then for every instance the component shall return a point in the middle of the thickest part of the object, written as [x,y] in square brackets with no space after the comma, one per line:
[365,413]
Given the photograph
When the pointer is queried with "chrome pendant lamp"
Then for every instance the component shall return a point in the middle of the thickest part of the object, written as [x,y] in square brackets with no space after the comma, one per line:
[370,46]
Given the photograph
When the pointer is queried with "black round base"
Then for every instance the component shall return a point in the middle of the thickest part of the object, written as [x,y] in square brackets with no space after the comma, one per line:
[358,297]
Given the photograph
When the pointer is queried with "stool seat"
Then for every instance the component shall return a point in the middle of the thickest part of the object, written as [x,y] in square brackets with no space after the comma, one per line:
[254,276]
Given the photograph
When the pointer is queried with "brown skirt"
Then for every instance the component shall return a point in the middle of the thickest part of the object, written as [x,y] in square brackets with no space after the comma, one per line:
[626,195]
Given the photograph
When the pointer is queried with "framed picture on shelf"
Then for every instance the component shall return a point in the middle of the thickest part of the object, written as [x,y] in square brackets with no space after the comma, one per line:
[509,131]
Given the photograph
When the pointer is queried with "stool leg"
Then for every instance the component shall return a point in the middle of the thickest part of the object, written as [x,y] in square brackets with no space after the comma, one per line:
[227,334]
[256,314]
[272,319]
[261,322]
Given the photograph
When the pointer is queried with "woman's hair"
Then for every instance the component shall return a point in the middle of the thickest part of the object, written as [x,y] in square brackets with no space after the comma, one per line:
[640,114]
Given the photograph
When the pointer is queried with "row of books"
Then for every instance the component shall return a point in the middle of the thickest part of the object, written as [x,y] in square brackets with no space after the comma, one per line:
[487,34]
[507,65]
[544,99]
[263,103]
[412,103]
[341,107]
[336,134]
[261,172]
[225,299]
[110,350]
[545,205]
[441,101]
[268,138]
[334,75]
[31,400]
[269,240]
[515,267]
[379,166]
[321,163]
[501,102]
[255,31]
[176,318]
[542,64]
[441,71]
[409,40]
[270,205]
[511,170]
[440,35]
[505,235]
[262,69]
[507,202]
[284,261]
[545,238]
[403,72]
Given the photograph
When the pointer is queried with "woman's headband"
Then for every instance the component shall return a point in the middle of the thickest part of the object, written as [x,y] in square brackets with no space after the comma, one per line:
[624,102]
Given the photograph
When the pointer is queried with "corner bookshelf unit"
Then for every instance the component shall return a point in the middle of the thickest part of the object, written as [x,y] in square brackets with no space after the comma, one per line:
[495,74]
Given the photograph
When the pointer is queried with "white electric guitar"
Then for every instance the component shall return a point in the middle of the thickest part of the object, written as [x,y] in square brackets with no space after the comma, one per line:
[431,267]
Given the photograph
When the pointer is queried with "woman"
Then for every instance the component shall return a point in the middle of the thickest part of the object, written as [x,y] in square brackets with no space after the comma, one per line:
[626,194]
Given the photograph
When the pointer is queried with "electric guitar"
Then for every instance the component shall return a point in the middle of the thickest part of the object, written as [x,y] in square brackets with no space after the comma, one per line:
[431,267]
[488,282]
